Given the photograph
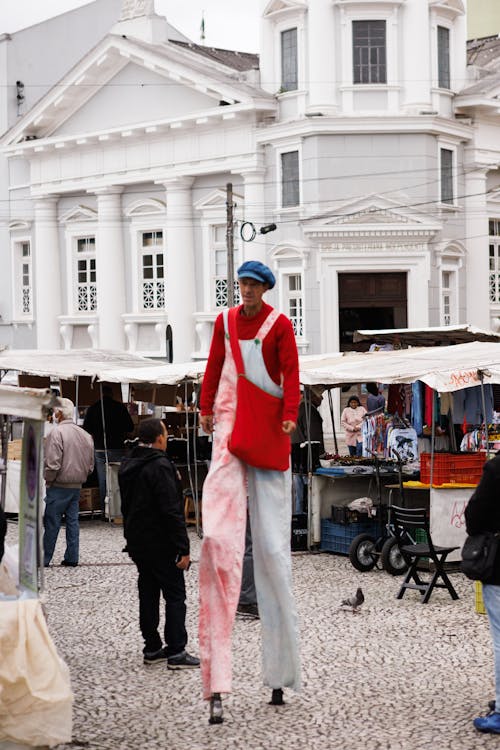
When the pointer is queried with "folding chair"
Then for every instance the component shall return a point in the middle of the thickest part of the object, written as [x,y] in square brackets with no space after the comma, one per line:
[405,522]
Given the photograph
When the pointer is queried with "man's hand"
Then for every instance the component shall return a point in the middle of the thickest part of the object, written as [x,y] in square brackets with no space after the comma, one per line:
[184,563]
[288,426]
[207,423]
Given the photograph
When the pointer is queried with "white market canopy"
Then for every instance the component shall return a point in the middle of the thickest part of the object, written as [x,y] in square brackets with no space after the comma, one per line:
[104,365]
[430,336]
[29,403]
[444,368]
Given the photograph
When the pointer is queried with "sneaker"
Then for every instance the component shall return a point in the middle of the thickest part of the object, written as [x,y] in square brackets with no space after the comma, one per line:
[68,564]
[250,611]
[489,724]
[155,657]
[183,661]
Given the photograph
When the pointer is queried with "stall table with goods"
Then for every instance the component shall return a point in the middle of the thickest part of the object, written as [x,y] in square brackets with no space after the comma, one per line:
[463,376]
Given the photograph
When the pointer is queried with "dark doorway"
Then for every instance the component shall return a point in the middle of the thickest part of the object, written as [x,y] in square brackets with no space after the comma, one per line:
[370,301]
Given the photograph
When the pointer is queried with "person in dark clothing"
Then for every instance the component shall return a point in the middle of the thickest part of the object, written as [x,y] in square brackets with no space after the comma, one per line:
[375,400]
[483,514]
[118,423]
[3,532]
[309,428]
[157,541]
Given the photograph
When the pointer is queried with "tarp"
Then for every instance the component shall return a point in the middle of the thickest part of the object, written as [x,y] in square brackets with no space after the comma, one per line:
[431,336]
[29,403]
[67,365]
[444,368]
[110,366]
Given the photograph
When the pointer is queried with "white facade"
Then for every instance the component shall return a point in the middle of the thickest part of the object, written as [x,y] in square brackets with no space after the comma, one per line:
[363,135]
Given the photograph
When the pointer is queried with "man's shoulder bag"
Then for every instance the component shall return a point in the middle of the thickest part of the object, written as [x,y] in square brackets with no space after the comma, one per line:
[478,556]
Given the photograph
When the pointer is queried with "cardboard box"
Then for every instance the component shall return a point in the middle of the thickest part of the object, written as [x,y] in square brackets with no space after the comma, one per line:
[15,450]
[89,499]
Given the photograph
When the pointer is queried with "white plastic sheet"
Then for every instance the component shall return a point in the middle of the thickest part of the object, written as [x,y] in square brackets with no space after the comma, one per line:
[35,692]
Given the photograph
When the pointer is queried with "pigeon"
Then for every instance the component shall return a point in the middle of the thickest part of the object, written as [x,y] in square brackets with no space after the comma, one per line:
[354,602]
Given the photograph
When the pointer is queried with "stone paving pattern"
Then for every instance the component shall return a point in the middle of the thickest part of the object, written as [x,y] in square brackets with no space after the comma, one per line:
[400,675]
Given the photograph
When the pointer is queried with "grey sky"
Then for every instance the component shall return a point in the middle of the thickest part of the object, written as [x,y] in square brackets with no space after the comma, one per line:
[228,23]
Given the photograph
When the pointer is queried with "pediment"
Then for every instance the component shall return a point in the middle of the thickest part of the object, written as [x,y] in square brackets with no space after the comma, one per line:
[107,78]
[78,213]
[370,212]
[281,7]
[216,201]
[147,207]
[449,7]
[19,225]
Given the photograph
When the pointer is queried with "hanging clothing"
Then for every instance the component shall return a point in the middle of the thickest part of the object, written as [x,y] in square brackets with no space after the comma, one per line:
[405,442]
[224,520]
[468,405]
[417,407]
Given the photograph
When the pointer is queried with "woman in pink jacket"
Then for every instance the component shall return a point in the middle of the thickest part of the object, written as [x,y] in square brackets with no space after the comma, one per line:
[351,420]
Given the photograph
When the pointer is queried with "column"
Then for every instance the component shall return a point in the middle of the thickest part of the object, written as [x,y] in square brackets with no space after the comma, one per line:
[477,264]
[416,57]
[321,50]
[254,211]
[110,266]
[180,300]
[47,274]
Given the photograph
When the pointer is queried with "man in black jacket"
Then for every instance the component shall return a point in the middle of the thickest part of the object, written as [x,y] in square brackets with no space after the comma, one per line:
[483,514]
[157,541]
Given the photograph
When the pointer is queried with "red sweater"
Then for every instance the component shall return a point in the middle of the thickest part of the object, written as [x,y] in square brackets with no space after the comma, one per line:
[280,356]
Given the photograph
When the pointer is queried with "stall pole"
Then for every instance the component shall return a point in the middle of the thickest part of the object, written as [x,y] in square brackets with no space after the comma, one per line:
[330,403]
[105,451]
[193,484]
[4,439]
[483,400]
[433,430]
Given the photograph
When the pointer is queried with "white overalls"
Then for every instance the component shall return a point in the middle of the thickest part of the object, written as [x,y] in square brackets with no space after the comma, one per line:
[224,517]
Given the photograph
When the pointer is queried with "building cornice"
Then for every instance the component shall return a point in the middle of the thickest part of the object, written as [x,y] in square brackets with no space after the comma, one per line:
[423,124]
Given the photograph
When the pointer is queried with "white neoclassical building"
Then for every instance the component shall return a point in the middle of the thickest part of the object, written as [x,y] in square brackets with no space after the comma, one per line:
[362,130]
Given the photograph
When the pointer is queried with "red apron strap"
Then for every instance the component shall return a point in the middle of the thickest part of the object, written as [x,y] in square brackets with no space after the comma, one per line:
[233,341]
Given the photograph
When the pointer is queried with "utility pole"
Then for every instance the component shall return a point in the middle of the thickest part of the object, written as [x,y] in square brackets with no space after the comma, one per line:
[230,244]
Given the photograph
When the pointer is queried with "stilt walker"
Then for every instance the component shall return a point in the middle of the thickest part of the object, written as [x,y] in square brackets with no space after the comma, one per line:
[258,340]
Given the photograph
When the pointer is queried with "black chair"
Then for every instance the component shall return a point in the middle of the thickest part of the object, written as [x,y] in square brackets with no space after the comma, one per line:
[406,522]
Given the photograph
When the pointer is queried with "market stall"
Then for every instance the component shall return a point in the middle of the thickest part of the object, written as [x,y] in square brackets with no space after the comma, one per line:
[444,369]
[80,374]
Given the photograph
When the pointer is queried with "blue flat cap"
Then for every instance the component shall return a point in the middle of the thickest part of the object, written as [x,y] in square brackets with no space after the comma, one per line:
[254,269]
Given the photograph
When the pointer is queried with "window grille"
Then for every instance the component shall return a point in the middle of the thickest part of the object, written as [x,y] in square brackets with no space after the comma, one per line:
[494,232]
[219,256]
[86,281]
[369,52]
[290,186]
[289,61]
[24,256]
[447,195]
[295,303]
[443,42]
[152,270]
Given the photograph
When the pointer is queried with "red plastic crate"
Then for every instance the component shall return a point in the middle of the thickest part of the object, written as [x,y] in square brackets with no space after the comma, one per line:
[452,468]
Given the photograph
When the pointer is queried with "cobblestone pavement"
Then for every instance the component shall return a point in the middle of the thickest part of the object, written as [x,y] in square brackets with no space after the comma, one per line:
[400,675]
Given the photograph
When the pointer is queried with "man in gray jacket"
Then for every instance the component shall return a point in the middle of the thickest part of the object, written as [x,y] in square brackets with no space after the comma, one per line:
[69,459]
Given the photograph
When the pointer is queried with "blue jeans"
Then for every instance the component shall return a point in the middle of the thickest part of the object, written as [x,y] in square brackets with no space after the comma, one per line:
[356,450]
[114,454]
[491,598]
[59,502]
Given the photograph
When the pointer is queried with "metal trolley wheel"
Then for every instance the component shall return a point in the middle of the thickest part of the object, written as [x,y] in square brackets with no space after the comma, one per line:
[391,558]
[362,552]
